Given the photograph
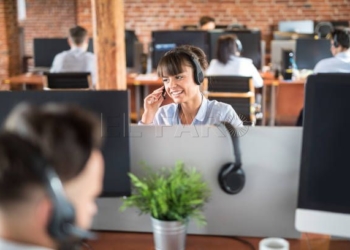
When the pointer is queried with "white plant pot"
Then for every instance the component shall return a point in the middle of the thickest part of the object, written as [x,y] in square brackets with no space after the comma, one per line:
[169,235]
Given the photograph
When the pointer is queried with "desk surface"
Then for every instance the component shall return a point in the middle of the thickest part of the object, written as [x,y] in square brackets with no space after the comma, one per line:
[34,79]
[144,241]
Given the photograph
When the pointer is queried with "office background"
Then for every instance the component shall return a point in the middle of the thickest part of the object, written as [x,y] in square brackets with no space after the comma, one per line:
[51,18]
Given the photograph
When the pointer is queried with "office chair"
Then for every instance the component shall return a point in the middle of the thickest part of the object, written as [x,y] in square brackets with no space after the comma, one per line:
[67,81]
[238,91]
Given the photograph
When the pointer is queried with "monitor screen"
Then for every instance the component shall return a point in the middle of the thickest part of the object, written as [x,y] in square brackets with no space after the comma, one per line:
[301,26]
[251,43]
[308,52]
[45,50]
[130,39]
[324,197]
[163,41]
[115,124]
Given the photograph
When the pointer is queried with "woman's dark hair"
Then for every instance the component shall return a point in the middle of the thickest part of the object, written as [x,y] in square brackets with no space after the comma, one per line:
[226,47]
[173,61]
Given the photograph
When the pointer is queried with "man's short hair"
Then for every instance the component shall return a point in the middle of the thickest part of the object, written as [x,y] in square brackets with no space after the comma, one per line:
[206,19]
[341,37]
[65,136]
[78,35]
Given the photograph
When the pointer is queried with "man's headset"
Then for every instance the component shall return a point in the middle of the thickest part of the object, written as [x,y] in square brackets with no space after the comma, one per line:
[231,176]
[61,226]
[336,42]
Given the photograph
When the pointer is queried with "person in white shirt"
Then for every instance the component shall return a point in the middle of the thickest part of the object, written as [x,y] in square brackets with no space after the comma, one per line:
[229,62]
[340,63]
[51,172]
[77,59]
[181,70]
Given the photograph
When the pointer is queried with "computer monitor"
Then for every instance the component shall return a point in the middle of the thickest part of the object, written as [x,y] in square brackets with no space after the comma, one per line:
[324,197]
[130,40]
[277,47]
[112,107]
[308,52]
[300,26]
[45,50]
[163,41]
[250,40]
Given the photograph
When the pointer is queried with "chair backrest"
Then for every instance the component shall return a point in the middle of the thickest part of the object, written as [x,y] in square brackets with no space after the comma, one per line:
[67,81]
[238,91]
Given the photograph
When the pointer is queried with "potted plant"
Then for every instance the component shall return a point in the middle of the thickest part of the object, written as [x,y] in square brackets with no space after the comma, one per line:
[171,196]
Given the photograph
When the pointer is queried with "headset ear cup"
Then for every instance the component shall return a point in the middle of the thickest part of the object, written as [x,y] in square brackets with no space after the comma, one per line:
[231,178]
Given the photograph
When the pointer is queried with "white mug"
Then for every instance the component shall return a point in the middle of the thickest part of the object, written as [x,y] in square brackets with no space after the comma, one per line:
[273,244]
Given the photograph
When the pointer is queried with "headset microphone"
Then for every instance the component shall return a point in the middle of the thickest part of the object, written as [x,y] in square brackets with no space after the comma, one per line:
[231,176]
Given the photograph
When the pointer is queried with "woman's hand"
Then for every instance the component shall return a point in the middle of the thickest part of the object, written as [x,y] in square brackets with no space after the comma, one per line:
[151,105]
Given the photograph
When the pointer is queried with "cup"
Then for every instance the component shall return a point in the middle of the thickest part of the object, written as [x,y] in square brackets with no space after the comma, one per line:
[273,244]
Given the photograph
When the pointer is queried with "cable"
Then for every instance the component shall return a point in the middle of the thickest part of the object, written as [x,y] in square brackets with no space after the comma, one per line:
[86,245]
[308,242]
[245,242]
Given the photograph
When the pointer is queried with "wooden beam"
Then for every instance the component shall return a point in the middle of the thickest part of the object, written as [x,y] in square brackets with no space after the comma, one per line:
[109,44]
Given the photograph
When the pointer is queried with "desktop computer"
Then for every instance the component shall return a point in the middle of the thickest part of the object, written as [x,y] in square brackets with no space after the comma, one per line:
[324,197]
[112,107]
[298,26]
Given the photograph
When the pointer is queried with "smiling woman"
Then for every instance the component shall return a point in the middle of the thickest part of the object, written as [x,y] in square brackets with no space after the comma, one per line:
[182,72]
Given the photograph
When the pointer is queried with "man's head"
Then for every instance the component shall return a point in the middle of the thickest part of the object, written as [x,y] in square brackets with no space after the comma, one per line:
[78,37]
[67,139]
[207,23]
[340,41]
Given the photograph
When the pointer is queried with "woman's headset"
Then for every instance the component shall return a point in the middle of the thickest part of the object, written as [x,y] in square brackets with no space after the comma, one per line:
[197,69]
[61,226]
[231,176]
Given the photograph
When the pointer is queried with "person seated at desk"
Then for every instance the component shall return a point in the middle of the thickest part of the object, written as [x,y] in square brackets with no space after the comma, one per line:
[207,23]
[229,62]
[182,72]
[340,63]
[39,149]
[77,59]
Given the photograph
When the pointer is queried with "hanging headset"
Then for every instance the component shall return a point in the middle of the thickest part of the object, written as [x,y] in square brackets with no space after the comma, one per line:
[231,176]
[197,69]
[61,226]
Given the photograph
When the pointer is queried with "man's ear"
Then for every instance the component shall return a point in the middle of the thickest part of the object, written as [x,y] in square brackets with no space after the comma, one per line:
[43,212]
[69,42]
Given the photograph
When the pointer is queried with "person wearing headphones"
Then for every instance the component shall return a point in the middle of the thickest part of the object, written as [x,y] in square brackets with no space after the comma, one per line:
[340,63]
[207,23]
[229,62]
[51,172]
[182,72]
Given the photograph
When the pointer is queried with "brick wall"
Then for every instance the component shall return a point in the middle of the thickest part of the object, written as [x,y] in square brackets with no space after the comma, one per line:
[9,42]
[146,15]
[48,18]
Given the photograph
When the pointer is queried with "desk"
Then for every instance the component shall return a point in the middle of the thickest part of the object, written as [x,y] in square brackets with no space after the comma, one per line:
[144,241]
[273,85]
[269,82]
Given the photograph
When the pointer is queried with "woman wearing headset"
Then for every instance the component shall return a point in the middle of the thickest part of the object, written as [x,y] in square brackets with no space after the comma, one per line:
[182,72]
[229,62]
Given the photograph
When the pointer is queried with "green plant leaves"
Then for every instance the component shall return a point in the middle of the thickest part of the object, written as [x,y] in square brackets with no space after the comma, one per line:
[170,194]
